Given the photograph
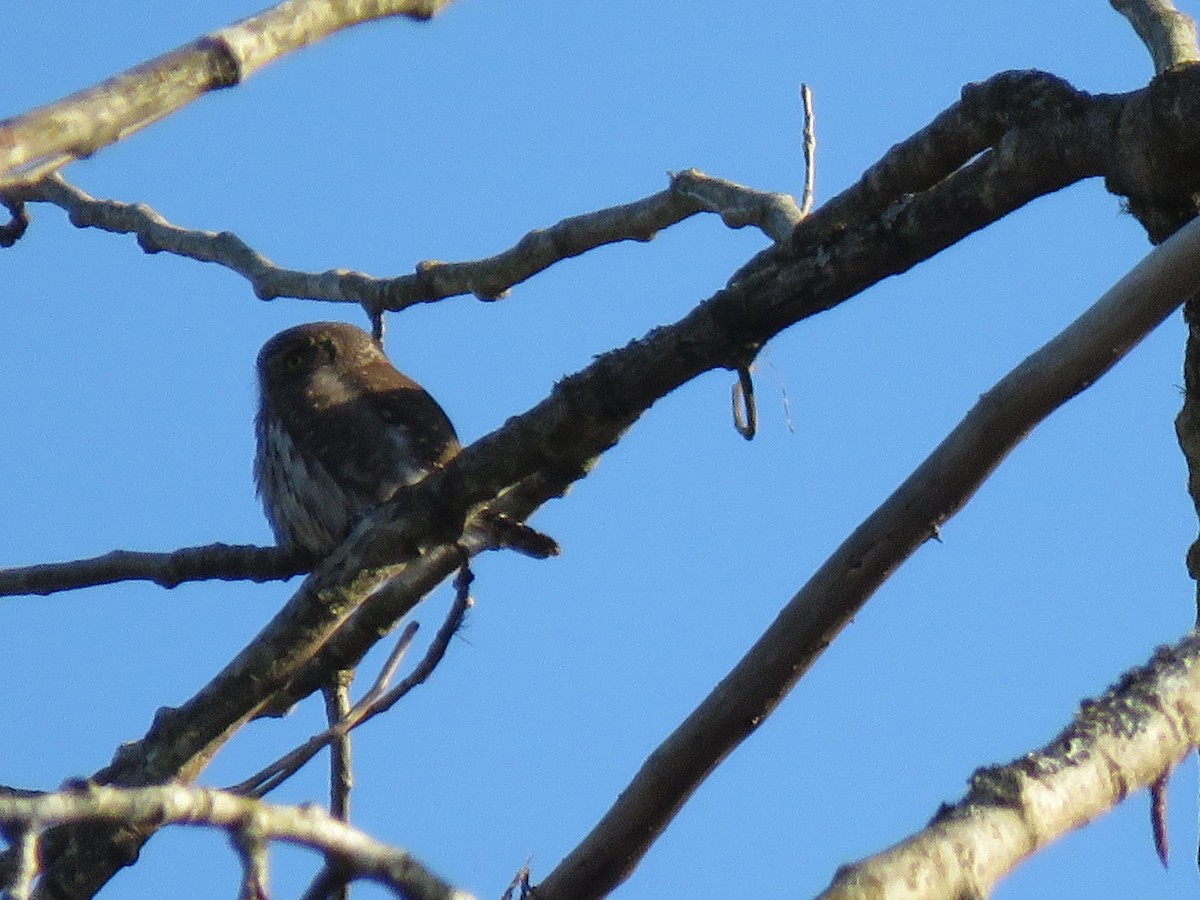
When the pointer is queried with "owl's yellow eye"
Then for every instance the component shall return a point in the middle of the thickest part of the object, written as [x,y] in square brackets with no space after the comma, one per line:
[293,361]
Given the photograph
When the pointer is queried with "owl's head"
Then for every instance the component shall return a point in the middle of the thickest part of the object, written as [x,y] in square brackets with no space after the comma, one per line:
[325,363]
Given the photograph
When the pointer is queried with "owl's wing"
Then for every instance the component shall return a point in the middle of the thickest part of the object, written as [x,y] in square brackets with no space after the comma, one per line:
[379,441]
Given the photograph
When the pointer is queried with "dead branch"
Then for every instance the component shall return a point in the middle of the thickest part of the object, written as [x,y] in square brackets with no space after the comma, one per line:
[1168,34]
[939,487]
[227,562]
[43,140]
[689,193]
[1128,739]
[177,804]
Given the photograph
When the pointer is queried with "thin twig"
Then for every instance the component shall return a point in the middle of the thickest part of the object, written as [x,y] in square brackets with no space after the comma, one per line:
[251,849]
[810,151]
[519,887]
[18,221]
[378,699]
[21,887]
[745,408]
[330,881]
[270,777]
[341,775]
[1158,820]
[227,562]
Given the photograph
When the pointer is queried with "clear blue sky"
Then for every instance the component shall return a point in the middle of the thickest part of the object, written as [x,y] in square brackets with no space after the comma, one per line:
[129,397]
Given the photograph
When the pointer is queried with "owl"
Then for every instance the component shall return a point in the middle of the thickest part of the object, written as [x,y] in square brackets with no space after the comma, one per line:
[340,430]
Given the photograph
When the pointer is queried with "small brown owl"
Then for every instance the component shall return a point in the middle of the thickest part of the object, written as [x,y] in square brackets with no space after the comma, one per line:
[340,430]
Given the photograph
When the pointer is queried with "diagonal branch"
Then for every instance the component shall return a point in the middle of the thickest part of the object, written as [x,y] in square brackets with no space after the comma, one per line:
[45,139]
[935,491]
[1130,738]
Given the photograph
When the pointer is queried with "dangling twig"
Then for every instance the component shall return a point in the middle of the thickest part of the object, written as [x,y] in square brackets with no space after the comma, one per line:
[745,410]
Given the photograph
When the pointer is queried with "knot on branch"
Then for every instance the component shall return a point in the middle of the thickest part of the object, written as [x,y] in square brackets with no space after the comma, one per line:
[1155,157]
[1019,97]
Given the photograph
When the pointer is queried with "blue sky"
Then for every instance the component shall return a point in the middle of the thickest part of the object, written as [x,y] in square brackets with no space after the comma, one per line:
[130,395]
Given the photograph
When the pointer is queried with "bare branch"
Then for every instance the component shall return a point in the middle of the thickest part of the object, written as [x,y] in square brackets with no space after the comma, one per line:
[690,192]
[270,777]
[18,221]
[986,112]
[178,804]
[939,487]
[220,561]
[21,885]
[1158,819]
[42,140]
[378,699]
[776,215]
[1168,34]
[1129,739]
[341,774]
[745,407]
[251,849]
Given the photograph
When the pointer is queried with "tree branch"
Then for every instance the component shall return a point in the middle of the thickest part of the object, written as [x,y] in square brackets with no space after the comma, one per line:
[1168,34]
[307,826]
[45,139]
[1129,739]
[690,192]
[227,562]
[935,491]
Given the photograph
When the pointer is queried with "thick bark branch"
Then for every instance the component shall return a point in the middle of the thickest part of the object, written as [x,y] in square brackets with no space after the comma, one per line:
[45,139]
[1130,738]
[939,487]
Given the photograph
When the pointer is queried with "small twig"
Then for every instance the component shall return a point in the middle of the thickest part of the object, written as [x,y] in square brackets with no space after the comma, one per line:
[377,325]
[520,883]
[810,151]
[251,849]
[378,699]
[14,229]
[27,842]
[270,777]
[784,400]
[745,410]
[331,881]
[228,562]
[1158,819]
[341,776]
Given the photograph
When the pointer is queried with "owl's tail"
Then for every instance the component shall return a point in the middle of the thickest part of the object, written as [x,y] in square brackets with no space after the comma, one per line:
[501,531]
